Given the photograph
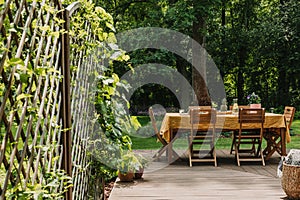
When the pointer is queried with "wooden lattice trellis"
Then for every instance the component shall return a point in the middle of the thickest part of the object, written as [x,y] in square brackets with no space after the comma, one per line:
[43,134]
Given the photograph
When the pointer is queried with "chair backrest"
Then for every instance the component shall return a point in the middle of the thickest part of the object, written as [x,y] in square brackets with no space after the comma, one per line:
[251,115]
[153,121]
[198,107]
[203,115]
[289,113]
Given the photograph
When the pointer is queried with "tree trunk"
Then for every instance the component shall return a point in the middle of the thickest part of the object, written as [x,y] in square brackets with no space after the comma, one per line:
[199,62]
[185,96]
[283,88]
[241,81]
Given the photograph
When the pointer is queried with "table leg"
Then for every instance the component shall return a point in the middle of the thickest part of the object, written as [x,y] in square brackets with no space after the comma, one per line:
[170,152]
[274,146]
[283,141]
[172,155]
[170,147]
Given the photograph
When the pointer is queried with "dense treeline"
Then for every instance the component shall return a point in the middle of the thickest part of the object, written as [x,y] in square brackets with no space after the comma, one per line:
[255,44]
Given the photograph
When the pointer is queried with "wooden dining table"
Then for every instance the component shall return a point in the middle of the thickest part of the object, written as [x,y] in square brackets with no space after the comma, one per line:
[225,122]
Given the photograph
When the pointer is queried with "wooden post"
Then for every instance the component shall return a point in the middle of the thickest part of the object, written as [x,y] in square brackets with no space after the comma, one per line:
[66,95]
[66,109]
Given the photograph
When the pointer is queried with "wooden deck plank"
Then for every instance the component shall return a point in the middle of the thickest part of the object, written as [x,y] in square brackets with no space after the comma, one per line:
[204,181]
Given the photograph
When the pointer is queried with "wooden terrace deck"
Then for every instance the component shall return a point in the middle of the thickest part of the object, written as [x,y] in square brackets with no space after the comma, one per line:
[204,181]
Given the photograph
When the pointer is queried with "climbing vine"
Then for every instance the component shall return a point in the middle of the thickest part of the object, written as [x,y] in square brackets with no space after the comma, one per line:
[31,88]
[112,124]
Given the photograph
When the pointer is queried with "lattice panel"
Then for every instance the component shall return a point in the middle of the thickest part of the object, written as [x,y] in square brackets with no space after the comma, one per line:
[43,100]
[30,82]
[83,67]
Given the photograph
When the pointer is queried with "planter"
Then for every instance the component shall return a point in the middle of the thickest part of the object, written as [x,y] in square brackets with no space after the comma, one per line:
[126,177]
[138,174]
[255,105]
[290,180]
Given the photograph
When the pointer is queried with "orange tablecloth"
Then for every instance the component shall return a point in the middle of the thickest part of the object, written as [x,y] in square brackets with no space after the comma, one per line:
[225,122]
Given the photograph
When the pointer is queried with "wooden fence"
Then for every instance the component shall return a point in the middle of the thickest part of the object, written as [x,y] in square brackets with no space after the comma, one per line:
[43,134]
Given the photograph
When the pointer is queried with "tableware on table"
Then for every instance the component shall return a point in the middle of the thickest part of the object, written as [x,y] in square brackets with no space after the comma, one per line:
[235,107]
[223,107]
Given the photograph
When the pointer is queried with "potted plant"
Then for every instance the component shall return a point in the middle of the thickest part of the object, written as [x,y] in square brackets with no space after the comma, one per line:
[144,162]
[128,164]
[254,100]
[290,177]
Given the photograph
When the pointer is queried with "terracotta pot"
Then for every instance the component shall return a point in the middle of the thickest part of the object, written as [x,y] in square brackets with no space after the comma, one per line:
[255,105]
[139,174]
[126,177]
[290,180]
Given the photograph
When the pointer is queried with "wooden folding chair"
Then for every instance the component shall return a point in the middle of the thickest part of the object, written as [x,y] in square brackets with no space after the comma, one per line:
[251,126]
[158,136]
[164,143]
[289,113]
[232,144]
[273,136]
[202,139]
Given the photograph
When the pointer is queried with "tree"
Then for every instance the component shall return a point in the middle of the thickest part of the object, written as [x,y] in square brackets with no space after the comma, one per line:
[255,44]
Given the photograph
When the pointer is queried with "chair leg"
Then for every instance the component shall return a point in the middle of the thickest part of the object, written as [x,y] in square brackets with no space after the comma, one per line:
[253,146]
[267,137]
[262,157]
[160,152]
[190,151]
[233,141]
[212,148]
[215,157]
[236,149]
[259,149]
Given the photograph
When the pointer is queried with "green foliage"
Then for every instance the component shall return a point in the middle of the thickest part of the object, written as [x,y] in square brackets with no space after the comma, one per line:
[129,162]
[22,70]
[253,98]
[242,36]
[101,170]
[50,189]
[143,120]
[108,139]
[297,115]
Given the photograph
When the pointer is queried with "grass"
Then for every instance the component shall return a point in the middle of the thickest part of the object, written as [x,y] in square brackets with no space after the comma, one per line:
[145,138]
[145,143]
[143,120]
[150,141]
[295,136]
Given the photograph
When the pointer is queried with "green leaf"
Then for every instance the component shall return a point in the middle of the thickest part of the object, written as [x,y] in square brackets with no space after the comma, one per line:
[55,34]
[16,61]
[110,26]
[45,28]
[134,121]
[40,71]
[22,96]
[24,78]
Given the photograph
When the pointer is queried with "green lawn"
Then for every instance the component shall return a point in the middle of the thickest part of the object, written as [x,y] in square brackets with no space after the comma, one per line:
[145,143]
[295,136]
[149,141]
